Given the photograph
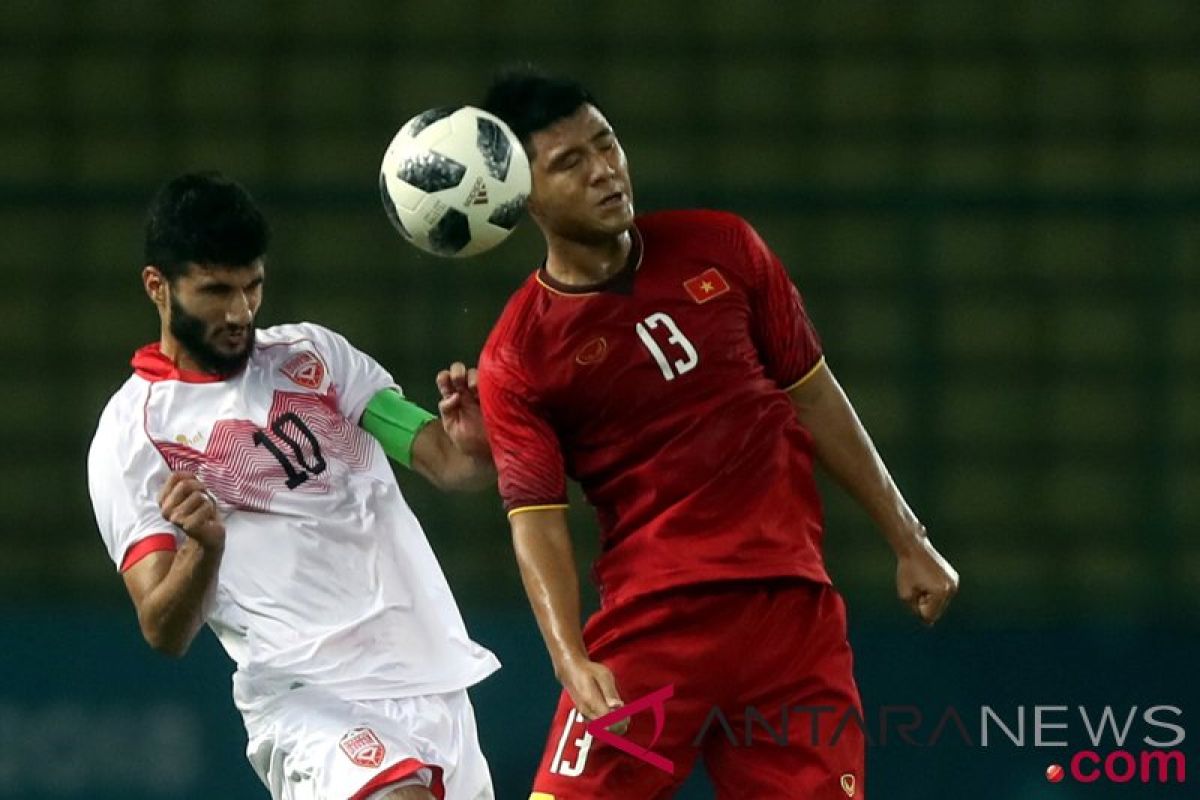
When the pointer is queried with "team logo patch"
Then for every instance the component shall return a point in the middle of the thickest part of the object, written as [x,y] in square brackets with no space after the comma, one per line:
[706,285]
[304,369]
[592,353]
[363,747]
[848,784]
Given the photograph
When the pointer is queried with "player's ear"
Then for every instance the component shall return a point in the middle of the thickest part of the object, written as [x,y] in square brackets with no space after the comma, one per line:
[533,206]
[155,284]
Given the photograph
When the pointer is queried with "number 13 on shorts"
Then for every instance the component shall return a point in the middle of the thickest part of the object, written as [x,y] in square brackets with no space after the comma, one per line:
[570,757]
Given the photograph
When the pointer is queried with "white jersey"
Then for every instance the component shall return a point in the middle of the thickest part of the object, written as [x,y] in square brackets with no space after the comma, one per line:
[327,578]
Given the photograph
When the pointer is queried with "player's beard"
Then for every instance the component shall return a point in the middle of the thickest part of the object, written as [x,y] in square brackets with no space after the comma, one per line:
[192,334]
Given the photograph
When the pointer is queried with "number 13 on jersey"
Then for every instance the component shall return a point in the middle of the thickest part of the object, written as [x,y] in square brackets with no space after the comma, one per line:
[674,339]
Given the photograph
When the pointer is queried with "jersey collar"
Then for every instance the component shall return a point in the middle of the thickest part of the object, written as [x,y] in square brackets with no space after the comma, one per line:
[150,363]
[620,282]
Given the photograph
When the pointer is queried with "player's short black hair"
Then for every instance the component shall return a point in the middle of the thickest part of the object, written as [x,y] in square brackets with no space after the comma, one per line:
[529,101]
[203,218]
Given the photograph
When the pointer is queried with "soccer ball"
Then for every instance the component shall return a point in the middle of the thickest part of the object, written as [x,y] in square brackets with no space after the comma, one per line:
[454,181]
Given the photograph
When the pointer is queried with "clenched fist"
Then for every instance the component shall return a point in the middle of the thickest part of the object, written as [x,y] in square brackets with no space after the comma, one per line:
[926,581]
[187,504]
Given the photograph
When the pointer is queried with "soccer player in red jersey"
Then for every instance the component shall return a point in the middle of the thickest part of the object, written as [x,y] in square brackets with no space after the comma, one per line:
[666,363]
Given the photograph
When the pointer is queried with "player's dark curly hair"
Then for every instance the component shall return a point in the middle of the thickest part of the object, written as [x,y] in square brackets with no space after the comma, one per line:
[529,101]
[204,218]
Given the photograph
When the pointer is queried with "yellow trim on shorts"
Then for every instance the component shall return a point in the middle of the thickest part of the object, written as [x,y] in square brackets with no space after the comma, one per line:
[820,363]
[541,796]
[523,509]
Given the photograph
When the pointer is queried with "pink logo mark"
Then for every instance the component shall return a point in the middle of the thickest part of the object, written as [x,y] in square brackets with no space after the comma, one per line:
[655,701]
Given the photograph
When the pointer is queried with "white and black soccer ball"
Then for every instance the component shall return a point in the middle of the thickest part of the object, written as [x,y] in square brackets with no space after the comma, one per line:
[454,181]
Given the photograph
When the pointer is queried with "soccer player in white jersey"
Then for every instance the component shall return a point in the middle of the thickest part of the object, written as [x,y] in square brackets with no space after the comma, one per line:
[240,477]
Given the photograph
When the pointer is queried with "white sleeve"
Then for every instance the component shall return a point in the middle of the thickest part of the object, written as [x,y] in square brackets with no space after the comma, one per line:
[357,376]
[125,474]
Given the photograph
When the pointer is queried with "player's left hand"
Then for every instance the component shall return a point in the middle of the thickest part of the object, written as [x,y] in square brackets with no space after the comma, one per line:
[462,417]
[925,580]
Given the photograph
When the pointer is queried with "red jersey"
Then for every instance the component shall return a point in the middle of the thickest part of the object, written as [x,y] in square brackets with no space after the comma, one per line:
[663,393]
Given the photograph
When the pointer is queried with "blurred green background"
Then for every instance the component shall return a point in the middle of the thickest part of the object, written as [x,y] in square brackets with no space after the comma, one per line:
[992,209]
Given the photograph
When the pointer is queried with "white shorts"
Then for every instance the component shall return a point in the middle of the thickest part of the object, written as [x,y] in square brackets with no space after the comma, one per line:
[311,745]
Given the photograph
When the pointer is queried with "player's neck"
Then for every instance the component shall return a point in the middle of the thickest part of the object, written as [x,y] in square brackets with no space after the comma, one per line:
[580,264]
[170,347]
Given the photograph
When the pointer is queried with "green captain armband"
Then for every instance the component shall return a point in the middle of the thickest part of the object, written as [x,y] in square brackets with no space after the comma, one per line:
[395,423]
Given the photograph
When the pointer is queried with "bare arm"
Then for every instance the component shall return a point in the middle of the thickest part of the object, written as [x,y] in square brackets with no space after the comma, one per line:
[925,580]
[169,590]
[455,454]
[546,558]
[438,460]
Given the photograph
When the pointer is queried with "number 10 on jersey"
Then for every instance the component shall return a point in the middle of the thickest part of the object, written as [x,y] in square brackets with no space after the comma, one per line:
[305,465]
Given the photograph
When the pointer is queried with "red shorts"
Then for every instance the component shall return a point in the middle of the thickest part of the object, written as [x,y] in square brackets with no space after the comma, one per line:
[763,692]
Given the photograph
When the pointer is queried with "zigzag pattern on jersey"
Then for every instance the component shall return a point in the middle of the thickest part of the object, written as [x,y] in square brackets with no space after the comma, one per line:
[246,475]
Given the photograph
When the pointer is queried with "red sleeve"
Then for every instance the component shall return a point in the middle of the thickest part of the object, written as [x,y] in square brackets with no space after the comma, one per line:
[151,544]
[528,457]
[786,340]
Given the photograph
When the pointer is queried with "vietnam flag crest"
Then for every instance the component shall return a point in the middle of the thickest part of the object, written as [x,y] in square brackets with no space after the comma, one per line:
[706,285]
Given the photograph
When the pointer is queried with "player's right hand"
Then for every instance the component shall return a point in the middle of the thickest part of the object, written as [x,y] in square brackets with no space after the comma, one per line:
[593,689]
[187,504]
